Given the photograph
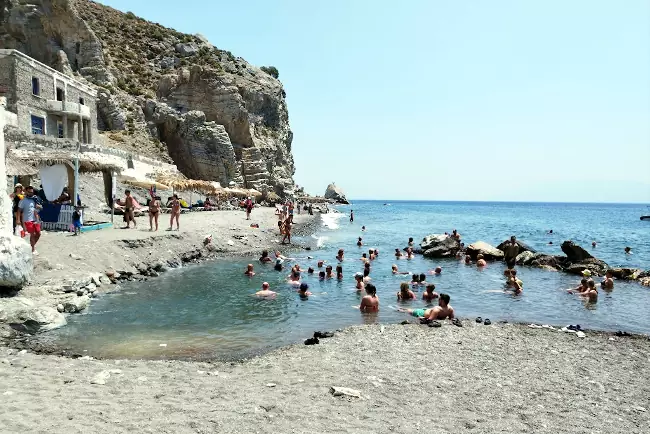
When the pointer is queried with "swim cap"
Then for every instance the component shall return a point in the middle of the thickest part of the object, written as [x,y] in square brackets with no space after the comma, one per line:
[586,273]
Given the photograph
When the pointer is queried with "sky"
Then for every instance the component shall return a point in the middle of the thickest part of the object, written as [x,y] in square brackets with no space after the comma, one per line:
[450,100]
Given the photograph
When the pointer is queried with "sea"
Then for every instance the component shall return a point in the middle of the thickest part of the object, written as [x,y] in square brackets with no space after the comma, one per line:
[208,311]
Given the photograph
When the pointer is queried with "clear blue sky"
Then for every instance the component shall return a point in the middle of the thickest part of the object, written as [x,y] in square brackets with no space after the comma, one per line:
[539,100]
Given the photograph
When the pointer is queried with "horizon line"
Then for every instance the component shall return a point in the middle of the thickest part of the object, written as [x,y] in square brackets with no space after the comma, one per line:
[500,201]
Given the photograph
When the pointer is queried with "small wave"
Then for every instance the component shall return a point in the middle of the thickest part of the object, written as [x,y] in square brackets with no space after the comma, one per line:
[320,241]
[331,220]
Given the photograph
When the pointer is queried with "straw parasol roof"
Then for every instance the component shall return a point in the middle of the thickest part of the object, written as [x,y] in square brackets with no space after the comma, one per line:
[236,192]
[87,163]
[184,184]
[136,179]
[254,193]
[17,167]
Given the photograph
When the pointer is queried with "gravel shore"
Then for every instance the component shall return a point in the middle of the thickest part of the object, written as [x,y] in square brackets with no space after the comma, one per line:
[411,378]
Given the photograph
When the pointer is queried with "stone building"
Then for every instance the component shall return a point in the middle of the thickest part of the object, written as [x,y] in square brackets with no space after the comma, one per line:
[46,101]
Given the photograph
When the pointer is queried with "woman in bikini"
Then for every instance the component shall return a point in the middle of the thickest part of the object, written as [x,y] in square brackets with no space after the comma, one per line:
[176,213]
[405,292]
[154,211]
[370,302]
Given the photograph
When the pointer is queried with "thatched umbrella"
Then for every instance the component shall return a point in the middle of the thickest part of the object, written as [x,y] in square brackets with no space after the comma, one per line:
[17,167]
[236,192]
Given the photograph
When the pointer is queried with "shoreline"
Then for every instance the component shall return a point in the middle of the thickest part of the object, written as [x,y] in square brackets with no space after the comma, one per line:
[498,378]
[72,270]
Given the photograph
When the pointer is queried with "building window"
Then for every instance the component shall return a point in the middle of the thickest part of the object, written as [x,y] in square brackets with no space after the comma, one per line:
[36,86]
[59,127]
[38,125]
[60,94]
[81,101]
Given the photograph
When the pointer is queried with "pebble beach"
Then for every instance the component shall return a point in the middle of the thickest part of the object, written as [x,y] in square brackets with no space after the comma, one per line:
[395,378]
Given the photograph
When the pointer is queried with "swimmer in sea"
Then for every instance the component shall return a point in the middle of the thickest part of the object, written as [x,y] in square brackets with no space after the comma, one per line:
[249,271]
[580,288]
[480,262]
[591,293]
[321,275]
[593,244]
[430,294]
[442,311]
[468,260]
[628,250]
[310,270]
[398,254]
[278,265]
[294,279]
[410,243]
[320,264]
[422,280]
[265,257]
[340,255]
[328,272]
[339,272]
[370,302]
[364,258]
[360,242]
[405,292]
[409,253]
[303,290]
[415,280]
[436,271]
[515,284]
[455,235]
[608,281]
[363,228]
[359,285]
[396,270]
[265,291]
[366,275]
[371,255]
[376,253]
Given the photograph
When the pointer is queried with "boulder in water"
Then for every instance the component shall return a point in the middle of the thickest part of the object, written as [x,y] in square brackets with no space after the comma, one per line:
[439,246]
[16,262]
[596,266]
[525,257]
[336,194]
[574,252]
[481,247]
[523,247]
[543,260]
[627,273]
[77,304]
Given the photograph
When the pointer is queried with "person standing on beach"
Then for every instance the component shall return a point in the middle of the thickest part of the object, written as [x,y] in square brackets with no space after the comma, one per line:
[249,207]
[154,211]
[351,216]
[129,209]
[511,250]
[175,213]
[286,230]
[29,220]
[370,302]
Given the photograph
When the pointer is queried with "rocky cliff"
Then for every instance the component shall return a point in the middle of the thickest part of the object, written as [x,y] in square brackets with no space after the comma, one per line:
[164,93]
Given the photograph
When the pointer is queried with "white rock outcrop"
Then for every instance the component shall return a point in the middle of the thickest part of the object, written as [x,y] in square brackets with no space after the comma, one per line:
[335,193]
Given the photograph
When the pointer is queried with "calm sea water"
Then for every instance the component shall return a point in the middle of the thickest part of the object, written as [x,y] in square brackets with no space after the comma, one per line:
[208,310]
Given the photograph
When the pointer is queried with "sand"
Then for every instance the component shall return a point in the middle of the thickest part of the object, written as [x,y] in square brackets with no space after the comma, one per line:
[411,378]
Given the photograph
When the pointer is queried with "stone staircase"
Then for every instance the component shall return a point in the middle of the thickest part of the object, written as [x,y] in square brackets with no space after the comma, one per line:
[253,169]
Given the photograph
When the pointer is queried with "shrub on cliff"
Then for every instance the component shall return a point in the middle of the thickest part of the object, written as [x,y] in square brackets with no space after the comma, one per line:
[271,70]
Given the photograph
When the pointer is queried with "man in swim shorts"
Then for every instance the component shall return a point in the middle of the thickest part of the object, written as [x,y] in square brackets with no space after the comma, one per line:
[442,311]
[511,250]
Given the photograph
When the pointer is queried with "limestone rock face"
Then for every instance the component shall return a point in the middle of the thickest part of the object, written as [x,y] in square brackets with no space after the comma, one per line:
[439,246]
[481,247]
[253,114]
[16,261]
[335,193]
[199,147]
[132,60]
